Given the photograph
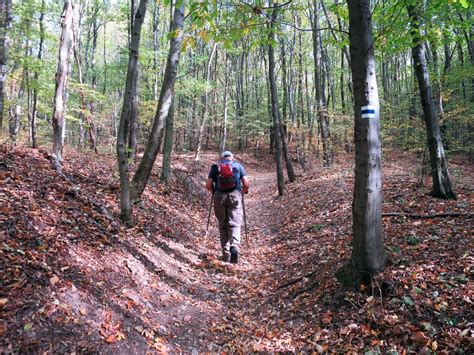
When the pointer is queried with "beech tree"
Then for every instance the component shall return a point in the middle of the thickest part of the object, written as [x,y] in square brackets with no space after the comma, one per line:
[442,186]
[131,191]
[275,109]
[5,22]
[125,117]
[65,45]
[368,253]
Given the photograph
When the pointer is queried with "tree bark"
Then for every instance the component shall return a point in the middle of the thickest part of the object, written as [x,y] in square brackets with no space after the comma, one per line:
[168,145]
[274,101]
[204,104]
[226,89]
[439,170]
[133,132]
[87,114]
[368,254]
[5,22]
[65,45]
[124,125]
[14,126]
[166,95]
[320,89]
[34,112]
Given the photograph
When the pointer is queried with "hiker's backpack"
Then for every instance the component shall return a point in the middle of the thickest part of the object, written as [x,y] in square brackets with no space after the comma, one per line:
[225,177]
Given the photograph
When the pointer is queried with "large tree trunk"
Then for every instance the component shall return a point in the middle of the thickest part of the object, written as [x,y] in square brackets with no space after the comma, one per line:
[274,102]
[65,44]
[5,22]
[122,146]
[439,171]
[166,96]
[322,111]
[368,253]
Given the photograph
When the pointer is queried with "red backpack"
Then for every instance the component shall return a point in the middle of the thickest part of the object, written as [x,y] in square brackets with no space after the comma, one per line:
[225,177]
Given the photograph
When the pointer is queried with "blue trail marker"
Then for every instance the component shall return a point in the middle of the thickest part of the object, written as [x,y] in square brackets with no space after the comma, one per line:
[368,111]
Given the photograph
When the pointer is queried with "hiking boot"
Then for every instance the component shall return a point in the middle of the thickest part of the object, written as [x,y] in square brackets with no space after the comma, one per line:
[234,255]
[225,257]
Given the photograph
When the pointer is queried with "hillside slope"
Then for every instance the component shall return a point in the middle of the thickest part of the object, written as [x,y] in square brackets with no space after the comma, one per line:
[75,280]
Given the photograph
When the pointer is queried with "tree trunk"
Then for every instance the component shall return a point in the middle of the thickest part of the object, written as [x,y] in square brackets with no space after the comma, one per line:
[168,145]
[226,89]
[86,113]
[439,170]
[320,100]
[5,22]
[166,95]
[204,104]
[368,253]
[274,102]
[34,112]
[132,138]
[65,44]
[14,126]
[122,146]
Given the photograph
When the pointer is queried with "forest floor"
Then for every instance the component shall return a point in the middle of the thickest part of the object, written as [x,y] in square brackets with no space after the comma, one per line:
[75,280]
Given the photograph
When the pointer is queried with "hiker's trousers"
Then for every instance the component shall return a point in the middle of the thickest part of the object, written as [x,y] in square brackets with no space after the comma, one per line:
[229,211]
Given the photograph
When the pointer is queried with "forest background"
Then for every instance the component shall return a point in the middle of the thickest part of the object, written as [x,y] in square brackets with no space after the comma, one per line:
[222,86]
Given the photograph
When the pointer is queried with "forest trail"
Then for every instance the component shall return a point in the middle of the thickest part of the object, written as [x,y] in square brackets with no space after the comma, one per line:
[237,290]
[75,280]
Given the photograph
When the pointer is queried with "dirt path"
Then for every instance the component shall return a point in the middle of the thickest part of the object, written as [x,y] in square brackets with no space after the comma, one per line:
[235,297]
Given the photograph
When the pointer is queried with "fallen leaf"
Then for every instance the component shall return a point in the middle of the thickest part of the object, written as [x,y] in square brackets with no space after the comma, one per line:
[27,326]
[54,280]
[111,339]
[3,302]
[420,338]
[3,328]
[139,328]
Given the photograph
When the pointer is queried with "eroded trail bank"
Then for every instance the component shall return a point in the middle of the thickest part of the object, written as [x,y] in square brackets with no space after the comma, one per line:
[75,280]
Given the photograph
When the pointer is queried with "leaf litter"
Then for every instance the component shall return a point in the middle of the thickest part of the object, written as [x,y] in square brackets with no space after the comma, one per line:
[74,279]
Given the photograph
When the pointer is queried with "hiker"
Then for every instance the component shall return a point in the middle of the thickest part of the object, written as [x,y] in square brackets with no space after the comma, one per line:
[227,181]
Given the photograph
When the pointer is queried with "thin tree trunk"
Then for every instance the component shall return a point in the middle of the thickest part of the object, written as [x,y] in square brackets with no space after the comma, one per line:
[226,89]
[124,125]
[168,145]
[274,102]
[87,114]
[368,253]
[65,45]
[320,100]
[204,104]
[166,95]
[34,112]
[156,10]
[5,23]
[132,138]
[439,170]
[14,126]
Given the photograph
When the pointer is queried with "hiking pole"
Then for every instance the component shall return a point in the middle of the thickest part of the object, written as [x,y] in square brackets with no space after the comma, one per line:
[203,256]
[245,218]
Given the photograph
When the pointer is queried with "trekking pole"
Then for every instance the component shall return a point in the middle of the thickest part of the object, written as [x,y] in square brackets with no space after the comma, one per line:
[245,218]
[204,255]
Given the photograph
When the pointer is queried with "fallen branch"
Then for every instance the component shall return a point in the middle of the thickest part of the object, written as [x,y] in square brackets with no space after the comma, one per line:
[427,216]
[298,279]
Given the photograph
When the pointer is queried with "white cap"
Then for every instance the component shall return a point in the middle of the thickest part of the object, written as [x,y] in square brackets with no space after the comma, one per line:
[227,154]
